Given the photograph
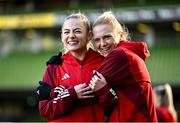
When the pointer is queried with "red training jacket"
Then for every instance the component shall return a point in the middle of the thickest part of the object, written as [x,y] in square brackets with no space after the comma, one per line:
[164,115]
[125,71]
[68,108]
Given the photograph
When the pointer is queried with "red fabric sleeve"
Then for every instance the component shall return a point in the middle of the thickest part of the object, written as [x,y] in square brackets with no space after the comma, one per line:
[115,68]
[107,98]
[54,108]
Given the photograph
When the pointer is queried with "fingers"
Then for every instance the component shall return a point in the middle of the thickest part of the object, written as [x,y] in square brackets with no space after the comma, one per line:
[100,77]
[82,85]
[87,88]
[84,91]
[99,74]
[95,78]
[97,82]
[93,81]
[92,84]
[88,92]
[94,71]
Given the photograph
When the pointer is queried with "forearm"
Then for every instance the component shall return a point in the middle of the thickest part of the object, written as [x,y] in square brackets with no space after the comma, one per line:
[62,104]
[107,98]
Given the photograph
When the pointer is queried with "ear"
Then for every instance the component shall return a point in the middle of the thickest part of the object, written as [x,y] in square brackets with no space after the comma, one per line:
[89,36]
[122,36]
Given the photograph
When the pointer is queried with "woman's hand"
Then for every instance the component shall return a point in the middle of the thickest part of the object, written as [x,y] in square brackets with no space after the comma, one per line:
[83,91]
[97,82]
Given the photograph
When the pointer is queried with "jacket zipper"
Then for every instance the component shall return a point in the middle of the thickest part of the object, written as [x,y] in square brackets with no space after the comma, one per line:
[81,72]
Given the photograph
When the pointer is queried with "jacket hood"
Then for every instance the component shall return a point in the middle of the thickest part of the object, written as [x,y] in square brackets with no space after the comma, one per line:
[139,48]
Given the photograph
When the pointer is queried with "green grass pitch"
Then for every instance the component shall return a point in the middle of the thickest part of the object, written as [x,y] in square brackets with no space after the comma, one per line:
[24,70]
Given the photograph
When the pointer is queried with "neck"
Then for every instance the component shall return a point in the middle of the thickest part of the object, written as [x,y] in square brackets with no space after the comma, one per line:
[80,55]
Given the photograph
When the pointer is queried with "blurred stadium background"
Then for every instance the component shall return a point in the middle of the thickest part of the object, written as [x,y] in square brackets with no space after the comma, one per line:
[29,35]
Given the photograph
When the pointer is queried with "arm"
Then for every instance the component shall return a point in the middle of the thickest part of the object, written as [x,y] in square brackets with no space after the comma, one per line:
[63,99]
[106,95]
[114,69]
[107,99]
[54,107]
[62,104]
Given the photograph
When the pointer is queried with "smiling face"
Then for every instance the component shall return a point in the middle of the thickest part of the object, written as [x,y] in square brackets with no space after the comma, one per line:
[104,38]
[75,35]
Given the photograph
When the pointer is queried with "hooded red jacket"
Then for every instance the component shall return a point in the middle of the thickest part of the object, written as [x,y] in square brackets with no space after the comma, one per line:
[70,73]
[164,114]
[125,71]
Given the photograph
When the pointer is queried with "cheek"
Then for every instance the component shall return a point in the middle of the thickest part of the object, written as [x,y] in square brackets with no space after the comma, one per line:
[97,45]
[83,40]
[64,38]
[112,43]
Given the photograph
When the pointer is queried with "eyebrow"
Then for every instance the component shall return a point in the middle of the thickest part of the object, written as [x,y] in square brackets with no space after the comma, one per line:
[109,34]
[73,29]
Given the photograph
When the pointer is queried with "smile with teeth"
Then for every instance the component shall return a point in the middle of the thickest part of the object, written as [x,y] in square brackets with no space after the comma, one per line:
[105,49]
[72,42]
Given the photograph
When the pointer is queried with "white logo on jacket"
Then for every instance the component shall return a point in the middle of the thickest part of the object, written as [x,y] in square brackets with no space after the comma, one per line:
[62,93]
[66,76]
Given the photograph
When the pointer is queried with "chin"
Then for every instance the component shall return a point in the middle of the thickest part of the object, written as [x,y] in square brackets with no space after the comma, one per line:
[104,54]
[73,48]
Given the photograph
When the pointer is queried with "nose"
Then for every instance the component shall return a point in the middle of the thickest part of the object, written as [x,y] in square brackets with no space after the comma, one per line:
[71,35]
[103,42]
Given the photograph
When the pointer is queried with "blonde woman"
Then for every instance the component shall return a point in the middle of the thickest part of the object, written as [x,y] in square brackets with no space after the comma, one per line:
[164,103]
[125,71]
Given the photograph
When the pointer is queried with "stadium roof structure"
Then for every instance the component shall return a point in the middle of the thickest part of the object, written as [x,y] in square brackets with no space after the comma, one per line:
[53,19]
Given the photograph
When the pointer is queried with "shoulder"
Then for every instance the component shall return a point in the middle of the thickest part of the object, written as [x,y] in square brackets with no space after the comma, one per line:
[51,68]
[117,52]
[116,56]
[95,54]
[55,59]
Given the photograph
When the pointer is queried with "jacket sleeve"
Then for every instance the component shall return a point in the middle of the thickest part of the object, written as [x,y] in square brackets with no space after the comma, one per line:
[107,98]
[59,105]
[113,69]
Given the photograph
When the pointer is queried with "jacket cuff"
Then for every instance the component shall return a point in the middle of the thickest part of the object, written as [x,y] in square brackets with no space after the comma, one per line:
[103,90]
[69,94]
[53,94]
